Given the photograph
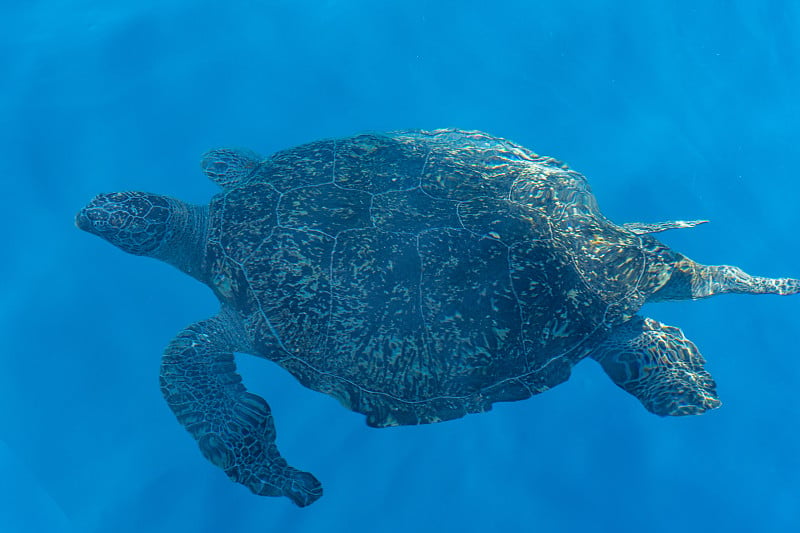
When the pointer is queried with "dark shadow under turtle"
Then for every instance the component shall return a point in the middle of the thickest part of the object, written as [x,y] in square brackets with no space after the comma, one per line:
[415,276]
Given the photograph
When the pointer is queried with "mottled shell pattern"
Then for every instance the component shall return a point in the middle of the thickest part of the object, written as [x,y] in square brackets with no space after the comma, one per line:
[419,276]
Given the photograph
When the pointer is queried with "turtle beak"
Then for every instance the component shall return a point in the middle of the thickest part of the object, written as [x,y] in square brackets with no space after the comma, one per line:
[106,212]
[88,217]
[97,217]
[82,221]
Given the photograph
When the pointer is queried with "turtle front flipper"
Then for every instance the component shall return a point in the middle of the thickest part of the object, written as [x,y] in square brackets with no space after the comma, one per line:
[660,366]
[230,167]
[233,427]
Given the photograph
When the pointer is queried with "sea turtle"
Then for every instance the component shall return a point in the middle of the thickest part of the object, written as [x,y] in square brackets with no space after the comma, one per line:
[416,276]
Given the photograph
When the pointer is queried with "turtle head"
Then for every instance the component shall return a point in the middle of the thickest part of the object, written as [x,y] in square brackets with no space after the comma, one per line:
[136,222]
[142,223]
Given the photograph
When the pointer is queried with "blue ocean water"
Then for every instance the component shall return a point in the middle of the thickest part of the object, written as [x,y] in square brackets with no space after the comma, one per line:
[672,109]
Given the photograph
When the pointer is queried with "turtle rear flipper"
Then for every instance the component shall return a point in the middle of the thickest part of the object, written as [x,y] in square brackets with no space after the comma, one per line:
[660,366]
[233,427]
[691,280]
[642,228]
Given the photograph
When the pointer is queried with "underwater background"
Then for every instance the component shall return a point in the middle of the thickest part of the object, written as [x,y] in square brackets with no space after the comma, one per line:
[678,109]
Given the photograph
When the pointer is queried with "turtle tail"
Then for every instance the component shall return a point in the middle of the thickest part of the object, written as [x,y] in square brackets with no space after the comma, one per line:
[691,280]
